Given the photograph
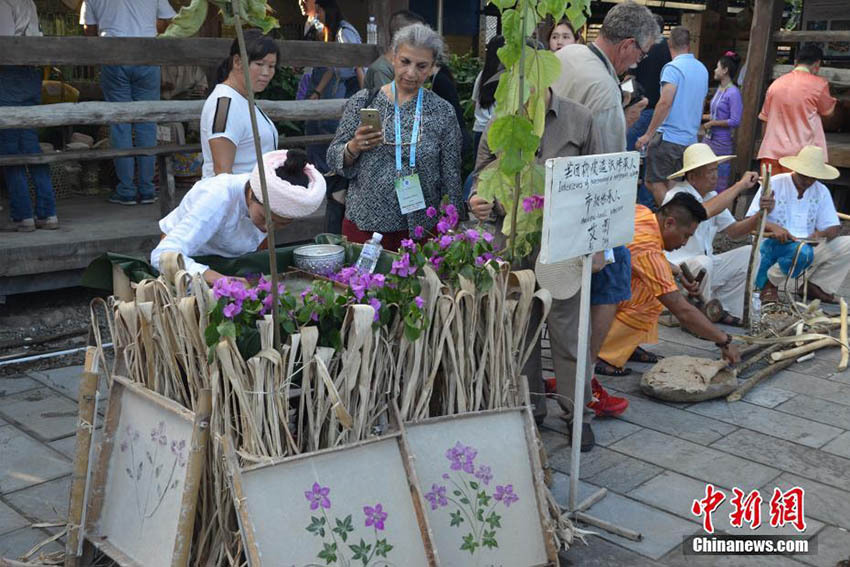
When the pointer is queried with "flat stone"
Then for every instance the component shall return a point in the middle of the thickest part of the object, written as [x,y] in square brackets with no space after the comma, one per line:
[765,420]
[677,558]
[605,430]
[26,461]
[704,463]
[818,410]
[14,544]
[833,546]
[10,385]
[599,553]
[678,422]
[592,463]
[67,381]
[625,476]
[767,396]
[560,489]
[66,446]
[840,445]
[822,502]
[811,386]
[10,520]
[47,502]
[44,412]
[784,455]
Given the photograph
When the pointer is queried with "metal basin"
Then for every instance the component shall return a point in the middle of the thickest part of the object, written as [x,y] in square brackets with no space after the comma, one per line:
[320,259]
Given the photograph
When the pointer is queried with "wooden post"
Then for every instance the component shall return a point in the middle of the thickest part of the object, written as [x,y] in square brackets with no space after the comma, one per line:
[761,55]
[754,252]
[167,191]
[383,12]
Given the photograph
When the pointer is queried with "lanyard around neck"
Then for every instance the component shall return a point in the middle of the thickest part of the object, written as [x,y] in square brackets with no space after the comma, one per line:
[417,118]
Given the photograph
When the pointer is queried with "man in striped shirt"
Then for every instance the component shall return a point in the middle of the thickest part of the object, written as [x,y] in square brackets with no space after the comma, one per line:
[653,285]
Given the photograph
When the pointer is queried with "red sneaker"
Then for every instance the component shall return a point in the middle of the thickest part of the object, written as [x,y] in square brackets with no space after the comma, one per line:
[550,385]
[603,403]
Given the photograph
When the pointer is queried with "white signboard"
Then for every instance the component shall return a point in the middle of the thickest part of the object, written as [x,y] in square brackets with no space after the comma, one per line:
[589,204]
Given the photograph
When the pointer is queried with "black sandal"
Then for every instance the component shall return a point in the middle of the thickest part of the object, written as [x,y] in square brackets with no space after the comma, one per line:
[730,320]
[606,369]
[643,355]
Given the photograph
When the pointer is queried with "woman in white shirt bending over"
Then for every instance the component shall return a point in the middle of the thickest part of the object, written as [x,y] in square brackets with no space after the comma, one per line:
[227,141]
[224,215]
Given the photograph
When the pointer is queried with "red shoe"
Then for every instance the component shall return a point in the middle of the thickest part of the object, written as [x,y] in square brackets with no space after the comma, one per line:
[603,403]
[550,385]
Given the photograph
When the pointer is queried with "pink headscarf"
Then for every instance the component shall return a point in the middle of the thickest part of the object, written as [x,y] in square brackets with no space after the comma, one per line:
[285,199]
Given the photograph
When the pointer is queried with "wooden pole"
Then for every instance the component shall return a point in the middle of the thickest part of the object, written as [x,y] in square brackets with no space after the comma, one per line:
[243,54]
[800,350]
[194,474]
[581,370]
[758,377]
[754,252]
[761,55]
[845,348]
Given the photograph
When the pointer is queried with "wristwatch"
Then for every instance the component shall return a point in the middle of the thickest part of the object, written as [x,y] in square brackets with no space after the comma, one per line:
[725,343]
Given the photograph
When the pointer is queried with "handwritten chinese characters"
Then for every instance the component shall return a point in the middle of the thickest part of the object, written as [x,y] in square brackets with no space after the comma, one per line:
[589,204]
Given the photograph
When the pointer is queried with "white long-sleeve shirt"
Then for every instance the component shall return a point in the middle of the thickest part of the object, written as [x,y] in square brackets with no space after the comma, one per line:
[212,219]
[18,17]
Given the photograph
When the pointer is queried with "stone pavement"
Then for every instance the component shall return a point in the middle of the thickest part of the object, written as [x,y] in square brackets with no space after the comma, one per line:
[793,430]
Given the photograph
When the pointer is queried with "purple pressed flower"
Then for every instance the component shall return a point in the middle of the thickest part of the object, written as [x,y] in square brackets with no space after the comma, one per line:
[408,243]
[445,241]
[419,302]
[488,237]
[472,235]
[376,305]
[505,494]
[443,226]
[123,446]
[484,474]
[231,310]
[318,496]
[437,496]
[418,232]
[431,212]
[158,431]
[446,476]
[375,516]
[177,451]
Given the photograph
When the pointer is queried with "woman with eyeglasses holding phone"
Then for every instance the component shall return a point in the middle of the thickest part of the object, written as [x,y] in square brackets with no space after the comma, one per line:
[400,147]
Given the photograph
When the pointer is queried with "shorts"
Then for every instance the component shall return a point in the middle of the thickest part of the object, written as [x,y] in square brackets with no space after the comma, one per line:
[662,159]
[613,283]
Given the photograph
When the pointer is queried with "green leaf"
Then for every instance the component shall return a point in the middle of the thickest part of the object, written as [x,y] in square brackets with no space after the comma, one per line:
[577,12]
[469,544]
[343,527]
[328,553]
[457,518]
[554,8]
[488,539]
[485,500]
[211,335]
[473,485]
[411,332]
[382,548]
[513,136]
[542,68]
[493,184]
[316,526]
[464,500]
[503,4]
[480,515]
[227,329]
[494,520]
[361,551]
[509,54]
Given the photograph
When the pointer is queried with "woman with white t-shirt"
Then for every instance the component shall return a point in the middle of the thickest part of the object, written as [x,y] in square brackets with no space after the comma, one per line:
[227,141]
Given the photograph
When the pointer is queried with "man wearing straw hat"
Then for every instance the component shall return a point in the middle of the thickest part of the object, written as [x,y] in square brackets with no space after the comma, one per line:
[726,273]
[804,213]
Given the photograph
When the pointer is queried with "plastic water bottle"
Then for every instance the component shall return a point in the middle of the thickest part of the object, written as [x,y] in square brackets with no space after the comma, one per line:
[372,31]
[370,254]
[755,314]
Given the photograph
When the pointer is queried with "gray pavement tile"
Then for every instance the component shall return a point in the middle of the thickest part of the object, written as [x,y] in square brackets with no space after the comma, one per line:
[15,544]
[46,502]
[26,461]
[823,365]
[625,476]
[560,489]
[817,409]
[44,412]
[779,424]
[822,502]
[678,422]
[668,348]
[592,462]
[10,385]
[787,456]
[66,446]
[833,545]
[606,430]
[66,380]
[705,463]
[811,386]
[677,558]
[839,446]
[600,553]
[10,520]
[767,396]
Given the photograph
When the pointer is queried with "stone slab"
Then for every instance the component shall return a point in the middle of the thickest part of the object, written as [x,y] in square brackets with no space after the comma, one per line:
[10,520]
[767,396]
[66,446]
[822,502]
[790,457]
[14,544]
[779,424]
[605,430]
[674,421]
[677,558]
[839,446]
[818,410]
[10,385]
[44,412]
[27,462]
[811,385]
[46,502]
[833,546]
[592,462]
[704,463]
[626,476]
[67,381]
[599,553]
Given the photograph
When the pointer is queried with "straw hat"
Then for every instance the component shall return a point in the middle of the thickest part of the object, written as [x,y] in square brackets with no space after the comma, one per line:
[561,279]
[810,162]
[698,155]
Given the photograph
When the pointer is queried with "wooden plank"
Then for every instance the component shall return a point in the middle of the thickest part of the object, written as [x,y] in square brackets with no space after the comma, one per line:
[836,76]
[167,187]
[760,55]
[94,155]
[203,51]
[101,113]
[783,36]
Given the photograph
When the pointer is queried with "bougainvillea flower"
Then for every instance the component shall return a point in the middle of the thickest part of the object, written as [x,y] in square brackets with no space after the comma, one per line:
[419,301]
[446,241]
[472,235]
[488,237]
[318,496]
[430,212]
[418,232]
[376,305]
[231,310]
[408,243]
[402,267]
[375,516]
[443,226]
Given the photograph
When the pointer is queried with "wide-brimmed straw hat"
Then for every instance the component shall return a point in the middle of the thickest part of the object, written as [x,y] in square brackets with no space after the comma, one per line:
[561,279]
[810,162]
[698,155]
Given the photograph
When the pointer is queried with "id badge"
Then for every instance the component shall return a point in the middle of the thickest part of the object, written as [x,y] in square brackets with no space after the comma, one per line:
[409,193]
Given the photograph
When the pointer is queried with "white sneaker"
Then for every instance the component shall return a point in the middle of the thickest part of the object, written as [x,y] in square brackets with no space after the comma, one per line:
[26,225]
[50,223]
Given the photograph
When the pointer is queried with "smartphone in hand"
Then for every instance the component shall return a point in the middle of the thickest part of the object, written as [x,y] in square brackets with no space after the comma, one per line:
[371,117]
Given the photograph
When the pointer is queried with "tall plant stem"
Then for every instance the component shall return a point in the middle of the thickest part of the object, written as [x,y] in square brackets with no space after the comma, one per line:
[243,54]
[520,112]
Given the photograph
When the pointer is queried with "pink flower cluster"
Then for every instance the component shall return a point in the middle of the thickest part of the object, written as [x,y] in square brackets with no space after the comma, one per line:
[532,203]
[237,293]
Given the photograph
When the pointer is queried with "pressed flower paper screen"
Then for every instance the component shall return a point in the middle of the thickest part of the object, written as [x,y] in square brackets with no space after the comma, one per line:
[346,507]
[477,479]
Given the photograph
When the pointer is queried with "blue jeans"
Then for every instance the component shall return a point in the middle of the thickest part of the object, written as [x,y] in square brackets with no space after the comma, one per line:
[128,83]
[638,129]
[22,87]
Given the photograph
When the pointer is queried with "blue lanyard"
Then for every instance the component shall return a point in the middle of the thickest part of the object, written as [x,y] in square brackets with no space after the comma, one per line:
[414,135]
